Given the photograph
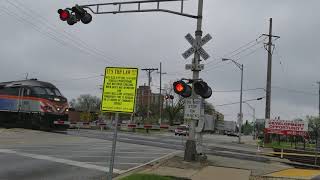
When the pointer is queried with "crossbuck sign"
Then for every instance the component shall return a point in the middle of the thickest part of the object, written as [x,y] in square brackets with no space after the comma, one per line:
[197,46]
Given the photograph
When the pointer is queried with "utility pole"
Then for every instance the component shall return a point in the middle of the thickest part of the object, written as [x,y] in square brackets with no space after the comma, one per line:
[269,74]
[160,94]
[241,114]
[319,99]
[149,71]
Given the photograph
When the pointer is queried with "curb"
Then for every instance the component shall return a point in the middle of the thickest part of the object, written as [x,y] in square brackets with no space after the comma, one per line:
[270,178]
[154,162]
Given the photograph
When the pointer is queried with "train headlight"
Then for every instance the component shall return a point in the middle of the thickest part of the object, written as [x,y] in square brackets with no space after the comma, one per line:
[56,99]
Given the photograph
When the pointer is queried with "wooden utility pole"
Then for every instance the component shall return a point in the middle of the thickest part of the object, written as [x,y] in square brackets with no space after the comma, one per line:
[149,71]
[269,47]
[319,99]
[160,94]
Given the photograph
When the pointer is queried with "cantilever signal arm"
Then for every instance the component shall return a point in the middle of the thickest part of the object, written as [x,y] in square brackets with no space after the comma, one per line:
[96,8]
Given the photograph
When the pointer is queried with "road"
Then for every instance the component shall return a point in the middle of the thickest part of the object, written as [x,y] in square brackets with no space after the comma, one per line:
[28,154]
[85,154]
[220,145]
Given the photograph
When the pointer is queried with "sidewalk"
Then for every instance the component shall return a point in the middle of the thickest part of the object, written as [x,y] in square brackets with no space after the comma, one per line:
[223,168]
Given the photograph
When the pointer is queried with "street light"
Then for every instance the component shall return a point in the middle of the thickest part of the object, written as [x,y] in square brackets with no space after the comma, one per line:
[240,66]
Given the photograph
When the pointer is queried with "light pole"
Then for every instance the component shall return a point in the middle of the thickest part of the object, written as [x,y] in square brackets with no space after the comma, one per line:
[254,119]
[240,66]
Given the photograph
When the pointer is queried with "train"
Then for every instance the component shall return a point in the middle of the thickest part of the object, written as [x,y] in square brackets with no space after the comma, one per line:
[32,104]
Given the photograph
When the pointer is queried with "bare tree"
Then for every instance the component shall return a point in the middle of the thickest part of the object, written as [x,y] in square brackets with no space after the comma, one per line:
[87,103]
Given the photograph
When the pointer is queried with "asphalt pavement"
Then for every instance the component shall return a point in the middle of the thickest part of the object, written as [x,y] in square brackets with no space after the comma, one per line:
[28,154]
[219,145]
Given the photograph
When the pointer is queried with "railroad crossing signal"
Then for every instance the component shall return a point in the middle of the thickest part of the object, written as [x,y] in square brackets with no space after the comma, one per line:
[200,87]
[197,46]
[75,14]
[182,88]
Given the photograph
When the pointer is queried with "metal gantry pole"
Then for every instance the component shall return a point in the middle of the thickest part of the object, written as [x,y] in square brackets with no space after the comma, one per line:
[114,143]
[241,115]
[190,150]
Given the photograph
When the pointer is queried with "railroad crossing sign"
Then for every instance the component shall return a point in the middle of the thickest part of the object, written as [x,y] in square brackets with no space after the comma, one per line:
[192,109]
[119,89]
[197,46]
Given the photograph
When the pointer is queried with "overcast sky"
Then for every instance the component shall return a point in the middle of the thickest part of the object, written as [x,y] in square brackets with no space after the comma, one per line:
[35,41]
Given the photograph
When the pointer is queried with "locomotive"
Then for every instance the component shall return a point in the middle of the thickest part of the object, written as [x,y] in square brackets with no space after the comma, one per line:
[32,104]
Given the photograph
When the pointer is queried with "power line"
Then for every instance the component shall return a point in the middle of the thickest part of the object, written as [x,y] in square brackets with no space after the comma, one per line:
[237,102]
[82,46]
[256,40]
[251,52]
[236,50]
[218,91]
[274,87]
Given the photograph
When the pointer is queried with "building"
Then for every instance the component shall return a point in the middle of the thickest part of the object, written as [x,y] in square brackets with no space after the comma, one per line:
[143,92]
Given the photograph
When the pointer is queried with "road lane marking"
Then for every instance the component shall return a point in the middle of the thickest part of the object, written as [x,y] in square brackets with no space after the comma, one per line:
[107,156]
[116,163]
[59,160]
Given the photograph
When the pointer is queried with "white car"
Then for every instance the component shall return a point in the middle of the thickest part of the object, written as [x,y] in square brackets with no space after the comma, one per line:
[182,130]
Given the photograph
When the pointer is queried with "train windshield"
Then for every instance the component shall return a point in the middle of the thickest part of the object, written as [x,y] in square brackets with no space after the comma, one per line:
[46,91]
[39,90]
[57,92]
[49,92]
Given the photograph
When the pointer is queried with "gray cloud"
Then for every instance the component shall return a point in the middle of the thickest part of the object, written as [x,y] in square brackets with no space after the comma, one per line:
[143,40]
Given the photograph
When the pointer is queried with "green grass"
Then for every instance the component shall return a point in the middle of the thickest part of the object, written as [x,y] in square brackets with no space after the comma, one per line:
[287,145]
[146,177]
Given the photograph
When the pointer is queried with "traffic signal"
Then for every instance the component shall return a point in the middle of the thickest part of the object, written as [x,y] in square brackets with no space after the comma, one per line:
[82,14]
[169,97]
[202,89]
[77,13]
[182,88]
[64,14]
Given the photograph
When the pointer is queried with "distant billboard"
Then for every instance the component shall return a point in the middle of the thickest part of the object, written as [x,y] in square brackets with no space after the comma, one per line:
[286,127]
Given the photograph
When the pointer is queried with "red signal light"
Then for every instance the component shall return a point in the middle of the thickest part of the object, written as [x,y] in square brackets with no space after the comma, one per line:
[179,87]
[64,14]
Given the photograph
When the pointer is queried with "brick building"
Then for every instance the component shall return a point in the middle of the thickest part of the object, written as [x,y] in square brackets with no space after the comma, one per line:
[143,92]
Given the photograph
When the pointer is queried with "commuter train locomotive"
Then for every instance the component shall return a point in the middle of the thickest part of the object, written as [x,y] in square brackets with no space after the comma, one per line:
[32,104]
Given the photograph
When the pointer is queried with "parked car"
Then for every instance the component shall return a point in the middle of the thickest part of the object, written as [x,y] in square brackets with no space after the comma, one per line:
[182,130]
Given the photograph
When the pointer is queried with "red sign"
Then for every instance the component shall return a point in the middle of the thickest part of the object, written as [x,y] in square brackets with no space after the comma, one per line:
[285,127]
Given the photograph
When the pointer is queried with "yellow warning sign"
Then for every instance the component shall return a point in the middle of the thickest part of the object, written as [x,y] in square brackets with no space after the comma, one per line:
[119,89]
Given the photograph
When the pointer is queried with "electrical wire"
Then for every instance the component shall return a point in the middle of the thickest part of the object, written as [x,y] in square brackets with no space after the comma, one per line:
[62,36]
[237,51]
[248,54]
[253,89]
